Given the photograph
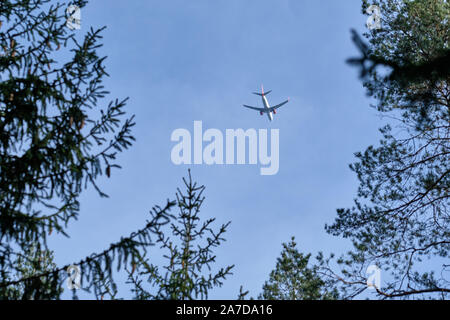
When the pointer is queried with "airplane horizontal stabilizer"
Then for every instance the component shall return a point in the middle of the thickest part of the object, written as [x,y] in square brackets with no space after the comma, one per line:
[262,94]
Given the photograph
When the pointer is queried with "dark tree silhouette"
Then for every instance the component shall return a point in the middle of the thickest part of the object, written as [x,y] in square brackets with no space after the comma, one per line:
[57,136]
[294,278]
[400,221]
[188,253]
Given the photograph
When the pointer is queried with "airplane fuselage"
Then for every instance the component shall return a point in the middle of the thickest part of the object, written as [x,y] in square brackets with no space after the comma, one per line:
[267,106]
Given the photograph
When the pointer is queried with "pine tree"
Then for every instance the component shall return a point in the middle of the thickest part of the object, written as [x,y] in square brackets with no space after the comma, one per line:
[34,261]
[57,136]
[400,219]
[293,279]
[187,254]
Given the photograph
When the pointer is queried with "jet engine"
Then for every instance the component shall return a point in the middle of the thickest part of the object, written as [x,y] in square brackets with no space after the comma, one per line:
[274,111]
[261,113]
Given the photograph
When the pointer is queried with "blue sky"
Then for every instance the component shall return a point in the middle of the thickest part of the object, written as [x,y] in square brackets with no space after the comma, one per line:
[181,61]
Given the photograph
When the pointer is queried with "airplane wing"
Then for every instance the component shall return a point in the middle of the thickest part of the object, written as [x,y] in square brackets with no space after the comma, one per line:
[279,105]
[254,108]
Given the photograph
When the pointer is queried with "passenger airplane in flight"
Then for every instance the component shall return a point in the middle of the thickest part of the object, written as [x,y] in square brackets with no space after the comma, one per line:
[267,108]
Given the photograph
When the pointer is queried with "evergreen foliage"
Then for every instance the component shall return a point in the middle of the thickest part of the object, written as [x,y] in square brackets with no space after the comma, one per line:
[57,137]
[187,254]
[400,220]
[293,279]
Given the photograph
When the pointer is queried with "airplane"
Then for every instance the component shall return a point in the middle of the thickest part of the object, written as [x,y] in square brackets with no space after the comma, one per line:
[267,108]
